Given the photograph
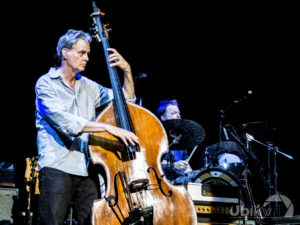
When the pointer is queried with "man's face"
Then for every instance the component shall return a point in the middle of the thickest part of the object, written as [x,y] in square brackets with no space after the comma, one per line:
[77,57]
[172,112]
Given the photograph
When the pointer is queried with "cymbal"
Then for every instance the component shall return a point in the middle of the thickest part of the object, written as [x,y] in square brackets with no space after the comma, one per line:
[189,133]
[257,128]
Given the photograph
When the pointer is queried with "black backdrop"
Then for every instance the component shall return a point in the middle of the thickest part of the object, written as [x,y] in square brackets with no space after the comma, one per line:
[205,55]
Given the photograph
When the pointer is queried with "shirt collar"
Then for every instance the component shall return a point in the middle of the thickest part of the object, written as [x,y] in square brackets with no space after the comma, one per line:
[54,73]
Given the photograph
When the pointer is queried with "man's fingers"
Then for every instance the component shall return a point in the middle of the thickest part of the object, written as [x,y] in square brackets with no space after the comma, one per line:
[130,137]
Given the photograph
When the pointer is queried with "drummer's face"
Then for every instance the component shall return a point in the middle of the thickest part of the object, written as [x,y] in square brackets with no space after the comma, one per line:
[172,112]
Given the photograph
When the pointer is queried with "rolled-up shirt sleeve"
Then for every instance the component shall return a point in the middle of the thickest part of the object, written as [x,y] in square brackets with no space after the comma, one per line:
[52,108]
[127,96]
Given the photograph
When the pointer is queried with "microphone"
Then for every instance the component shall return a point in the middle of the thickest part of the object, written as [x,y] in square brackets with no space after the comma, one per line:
[249,137]
[249,92]
[140,76]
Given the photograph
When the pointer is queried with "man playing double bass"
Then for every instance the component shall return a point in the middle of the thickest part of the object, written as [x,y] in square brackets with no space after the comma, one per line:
[66,104]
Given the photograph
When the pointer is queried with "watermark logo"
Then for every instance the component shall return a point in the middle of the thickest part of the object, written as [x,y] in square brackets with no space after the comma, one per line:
[281,203]
[275,205]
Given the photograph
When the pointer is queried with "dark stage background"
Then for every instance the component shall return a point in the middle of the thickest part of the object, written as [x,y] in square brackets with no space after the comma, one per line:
[205,55]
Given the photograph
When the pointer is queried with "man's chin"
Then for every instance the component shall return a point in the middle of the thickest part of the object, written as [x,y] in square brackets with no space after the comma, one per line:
[81,69]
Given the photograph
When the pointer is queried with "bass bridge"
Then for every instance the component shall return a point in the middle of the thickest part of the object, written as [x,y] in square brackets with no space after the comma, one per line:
[138,185]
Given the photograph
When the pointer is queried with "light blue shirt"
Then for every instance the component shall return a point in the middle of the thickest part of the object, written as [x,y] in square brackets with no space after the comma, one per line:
[61,114]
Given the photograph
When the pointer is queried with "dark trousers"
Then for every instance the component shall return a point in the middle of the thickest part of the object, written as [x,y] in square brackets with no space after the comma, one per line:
[58,189]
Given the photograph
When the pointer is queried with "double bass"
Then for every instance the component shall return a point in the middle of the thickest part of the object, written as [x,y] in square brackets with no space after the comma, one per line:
[136,191]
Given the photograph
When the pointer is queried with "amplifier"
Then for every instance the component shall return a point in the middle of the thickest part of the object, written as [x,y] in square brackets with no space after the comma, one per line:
[208,194]
[216,209]
[7,198]
[214,204]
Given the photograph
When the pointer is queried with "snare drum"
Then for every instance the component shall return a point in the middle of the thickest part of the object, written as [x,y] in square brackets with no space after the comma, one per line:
[231,162]
[226,155]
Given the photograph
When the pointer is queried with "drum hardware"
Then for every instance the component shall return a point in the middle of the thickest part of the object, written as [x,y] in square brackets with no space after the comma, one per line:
[227,133]
[224,110]
[245,148]
[206,158]
[259,128]
[186,177]
[257,213]
[230,154]
[175,140]
[274,150]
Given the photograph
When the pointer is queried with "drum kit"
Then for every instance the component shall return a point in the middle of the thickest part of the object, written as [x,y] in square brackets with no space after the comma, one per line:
[182,134]
[227,162]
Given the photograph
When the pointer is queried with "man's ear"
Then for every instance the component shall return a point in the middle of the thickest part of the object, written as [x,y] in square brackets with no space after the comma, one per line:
[65,52]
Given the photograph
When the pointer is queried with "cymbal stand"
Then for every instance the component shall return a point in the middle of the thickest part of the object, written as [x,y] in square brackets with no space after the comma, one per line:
[222,114]
[175,140]
[271,149]
[232,131]
[206,158]
[243,146]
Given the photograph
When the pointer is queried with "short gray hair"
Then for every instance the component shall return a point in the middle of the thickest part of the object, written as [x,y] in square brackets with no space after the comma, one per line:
[69,39]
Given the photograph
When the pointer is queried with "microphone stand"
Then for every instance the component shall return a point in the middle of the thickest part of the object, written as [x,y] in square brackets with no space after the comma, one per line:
[274,149]
[237,139]
[135,80]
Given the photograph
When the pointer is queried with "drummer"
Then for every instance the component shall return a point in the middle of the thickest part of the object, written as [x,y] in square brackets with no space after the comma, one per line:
[168,110]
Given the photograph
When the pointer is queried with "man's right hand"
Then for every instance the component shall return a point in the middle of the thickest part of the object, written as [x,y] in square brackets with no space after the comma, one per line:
[126,136]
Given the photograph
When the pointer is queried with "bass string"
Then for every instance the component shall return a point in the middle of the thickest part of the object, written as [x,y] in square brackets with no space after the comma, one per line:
[142,196]
[121,109]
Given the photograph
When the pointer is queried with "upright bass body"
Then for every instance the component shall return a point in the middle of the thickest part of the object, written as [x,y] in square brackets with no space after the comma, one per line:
[137,184]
